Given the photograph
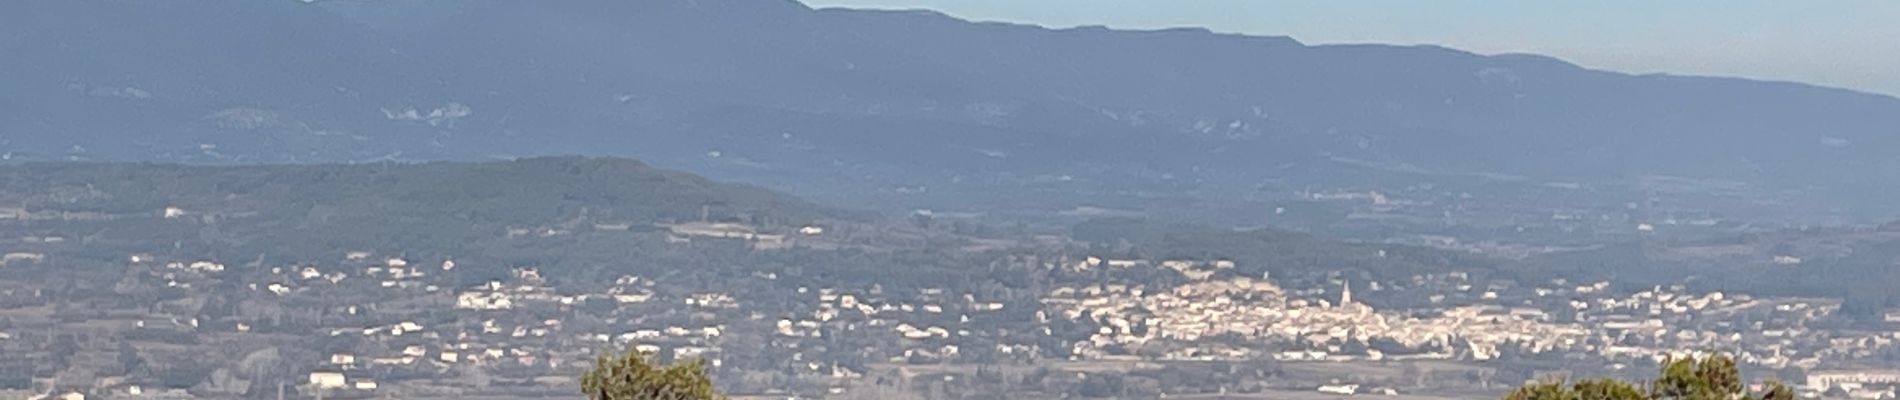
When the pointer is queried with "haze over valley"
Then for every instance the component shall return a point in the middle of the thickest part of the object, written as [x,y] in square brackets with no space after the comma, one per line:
[476,199]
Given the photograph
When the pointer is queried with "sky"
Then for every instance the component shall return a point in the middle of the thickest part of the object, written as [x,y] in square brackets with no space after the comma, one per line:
[1852,44]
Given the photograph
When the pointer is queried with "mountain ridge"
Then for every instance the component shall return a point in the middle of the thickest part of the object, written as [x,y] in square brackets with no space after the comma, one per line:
[1162,108]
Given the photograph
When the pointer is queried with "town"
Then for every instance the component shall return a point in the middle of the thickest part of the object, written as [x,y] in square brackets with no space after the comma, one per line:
[372,325]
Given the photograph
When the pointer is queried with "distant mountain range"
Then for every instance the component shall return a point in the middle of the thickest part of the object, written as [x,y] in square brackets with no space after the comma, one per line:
[914,109]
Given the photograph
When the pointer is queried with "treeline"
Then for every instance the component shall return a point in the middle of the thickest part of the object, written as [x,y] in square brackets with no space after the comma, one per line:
[1277,251]
[1859,267]
[293,211]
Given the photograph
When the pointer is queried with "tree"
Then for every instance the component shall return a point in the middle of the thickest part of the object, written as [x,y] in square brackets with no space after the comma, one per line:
[129,358]
[1713,377]
[1100,386]
[631,376]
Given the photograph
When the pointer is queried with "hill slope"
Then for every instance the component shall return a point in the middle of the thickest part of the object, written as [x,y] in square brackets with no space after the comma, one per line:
[302,212]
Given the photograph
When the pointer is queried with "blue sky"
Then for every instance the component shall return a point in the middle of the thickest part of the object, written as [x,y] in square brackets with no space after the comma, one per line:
[1853,44]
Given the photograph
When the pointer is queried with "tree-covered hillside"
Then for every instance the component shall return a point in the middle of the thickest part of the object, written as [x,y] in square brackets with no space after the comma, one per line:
[305,210]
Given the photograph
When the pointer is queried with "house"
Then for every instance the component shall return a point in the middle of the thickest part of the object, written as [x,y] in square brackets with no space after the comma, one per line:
[22,257]
[769,242]
[717,230]
[1339,389]
[206,266]
[327,380]
[113,389]
[1824,380]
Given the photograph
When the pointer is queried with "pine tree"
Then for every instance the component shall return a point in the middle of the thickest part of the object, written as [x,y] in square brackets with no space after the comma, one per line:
[631,376]
[1714,377]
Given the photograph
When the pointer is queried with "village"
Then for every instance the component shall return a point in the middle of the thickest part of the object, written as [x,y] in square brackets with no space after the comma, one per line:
[373,325]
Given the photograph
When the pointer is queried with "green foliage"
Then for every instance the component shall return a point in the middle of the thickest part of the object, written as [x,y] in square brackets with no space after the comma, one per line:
[1709,378]
[1593,389]
[631,376]
[1714,377]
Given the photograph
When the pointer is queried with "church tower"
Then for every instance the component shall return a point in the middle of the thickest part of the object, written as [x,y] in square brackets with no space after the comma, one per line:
[1345,293]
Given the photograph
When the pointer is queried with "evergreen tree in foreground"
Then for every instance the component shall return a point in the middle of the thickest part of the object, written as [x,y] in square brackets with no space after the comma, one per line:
[1714,377]
[631,376]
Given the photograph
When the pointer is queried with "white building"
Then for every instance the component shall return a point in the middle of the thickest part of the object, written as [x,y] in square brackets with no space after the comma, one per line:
[327,380]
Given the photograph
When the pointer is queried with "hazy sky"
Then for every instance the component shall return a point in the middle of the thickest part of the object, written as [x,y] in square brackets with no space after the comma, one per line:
[1846,43]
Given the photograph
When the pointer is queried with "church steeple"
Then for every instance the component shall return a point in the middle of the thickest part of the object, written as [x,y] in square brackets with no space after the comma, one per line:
[1345,293]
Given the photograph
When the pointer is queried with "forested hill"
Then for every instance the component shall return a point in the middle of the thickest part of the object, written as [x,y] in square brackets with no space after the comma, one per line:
[307,209]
